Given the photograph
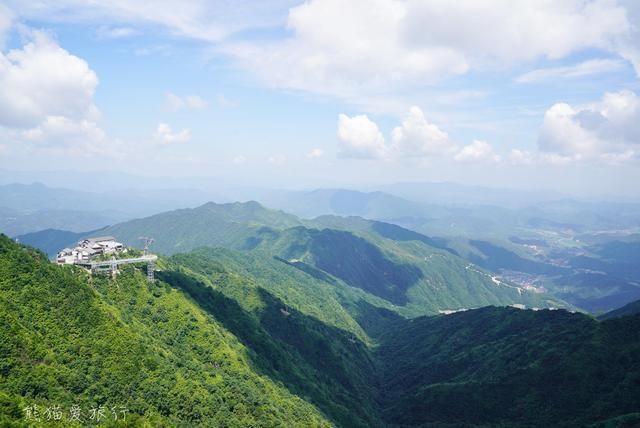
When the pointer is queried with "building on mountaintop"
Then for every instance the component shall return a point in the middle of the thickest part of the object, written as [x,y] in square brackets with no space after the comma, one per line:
[89,248]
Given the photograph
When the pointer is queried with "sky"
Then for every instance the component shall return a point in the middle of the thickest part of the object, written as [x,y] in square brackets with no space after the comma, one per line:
[530,94]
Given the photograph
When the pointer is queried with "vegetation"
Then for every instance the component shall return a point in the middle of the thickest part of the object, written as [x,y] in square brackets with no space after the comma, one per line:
[395,268]
[507,367]
[632,308]
[66,340]
[228,338]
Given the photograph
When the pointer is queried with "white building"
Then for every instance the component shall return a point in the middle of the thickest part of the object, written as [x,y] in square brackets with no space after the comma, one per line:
[89,248]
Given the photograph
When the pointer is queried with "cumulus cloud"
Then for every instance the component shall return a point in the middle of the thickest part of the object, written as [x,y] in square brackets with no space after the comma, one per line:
[358,47]
[47,99]
[586,68]
[60,129]
[416,137]
[607,129]
[41,80]
[359,138]
[188,102]
[315,153]
[166,135]
[477,151]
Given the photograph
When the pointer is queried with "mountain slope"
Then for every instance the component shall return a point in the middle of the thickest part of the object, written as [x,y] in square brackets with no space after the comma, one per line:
[53,240]
[228,338]
[507,367]
[147,347]
[397,266]
[213,225]
[415,278]
[629,309]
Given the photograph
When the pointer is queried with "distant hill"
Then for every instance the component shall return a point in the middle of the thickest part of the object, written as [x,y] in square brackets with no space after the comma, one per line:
[343,202]
[37,197]
[632,308]
[460,194]
[52,240]
[210,225]
[27,208]
[15,223]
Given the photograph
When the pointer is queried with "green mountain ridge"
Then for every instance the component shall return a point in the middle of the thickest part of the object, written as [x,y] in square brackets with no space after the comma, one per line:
[394,264]
[632,308]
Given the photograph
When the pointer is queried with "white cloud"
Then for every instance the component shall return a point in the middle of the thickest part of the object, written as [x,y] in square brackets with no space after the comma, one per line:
[277,160]
[359,138]
[47,100]
[188,102]
[165,135]
[106,32]
[62,130]
[42,79]
[521,157]
[416,137]
[607,129]
[586,68]
[477,151]
[208,20]
[315,153]
[239,160]
[356,48]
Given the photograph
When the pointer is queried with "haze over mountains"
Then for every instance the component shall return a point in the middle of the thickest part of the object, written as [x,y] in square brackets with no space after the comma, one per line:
[570,248]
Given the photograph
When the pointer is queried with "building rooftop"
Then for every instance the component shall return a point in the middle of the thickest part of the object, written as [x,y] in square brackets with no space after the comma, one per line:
[101,238]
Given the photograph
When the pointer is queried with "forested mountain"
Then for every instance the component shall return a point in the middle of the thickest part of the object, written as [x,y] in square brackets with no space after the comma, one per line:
[227,338]
[213,225]
[505,367]
[398,266]
[632,308]
[51,241]
[147,347]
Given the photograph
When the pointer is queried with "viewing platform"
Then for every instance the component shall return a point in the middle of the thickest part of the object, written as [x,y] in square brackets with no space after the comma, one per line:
[112,265]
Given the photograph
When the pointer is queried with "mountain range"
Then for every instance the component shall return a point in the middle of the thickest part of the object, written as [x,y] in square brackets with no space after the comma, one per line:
[241,338]
[389,264]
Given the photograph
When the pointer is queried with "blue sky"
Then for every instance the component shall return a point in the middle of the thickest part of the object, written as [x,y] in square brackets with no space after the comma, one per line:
[533,94]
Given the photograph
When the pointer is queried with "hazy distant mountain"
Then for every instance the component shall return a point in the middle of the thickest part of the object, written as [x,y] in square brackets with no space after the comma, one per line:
[132,202]
[342,202]
[26,208]
[15,223]
[460,194]
[51,241]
